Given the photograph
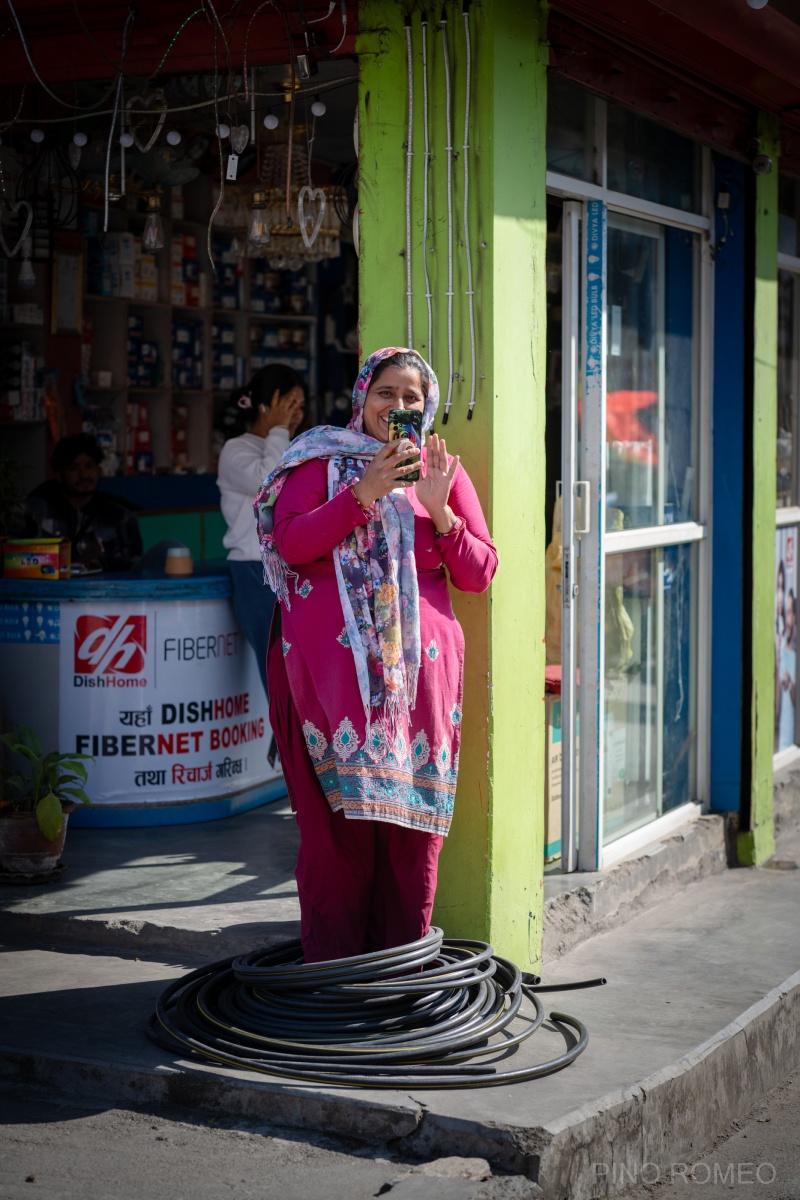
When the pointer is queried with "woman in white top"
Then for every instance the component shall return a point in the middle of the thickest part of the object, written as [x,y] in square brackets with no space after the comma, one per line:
[272,406]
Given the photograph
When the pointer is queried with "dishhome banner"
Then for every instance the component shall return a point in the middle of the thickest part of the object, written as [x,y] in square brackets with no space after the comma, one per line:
[166,697]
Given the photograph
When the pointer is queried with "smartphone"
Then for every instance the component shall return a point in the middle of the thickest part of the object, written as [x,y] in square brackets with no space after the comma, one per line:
[406,423]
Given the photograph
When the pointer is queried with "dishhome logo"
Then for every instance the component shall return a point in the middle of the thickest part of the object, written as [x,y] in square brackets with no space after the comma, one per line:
[110,647]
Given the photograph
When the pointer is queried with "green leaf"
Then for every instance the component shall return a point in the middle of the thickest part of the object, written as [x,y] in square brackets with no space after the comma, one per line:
[75,793]
[49,816]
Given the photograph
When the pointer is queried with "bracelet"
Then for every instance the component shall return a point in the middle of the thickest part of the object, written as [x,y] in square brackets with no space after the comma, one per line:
[459,525]
[365,508]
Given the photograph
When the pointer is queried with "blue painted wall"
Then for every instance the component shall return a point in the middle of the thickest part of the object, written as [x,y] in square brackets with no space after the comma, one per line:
[728,466]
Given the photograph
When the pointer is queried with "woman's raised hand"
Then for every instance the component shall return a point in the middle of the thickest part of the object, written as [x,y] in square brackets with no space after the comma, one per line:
[433,490]
[385,473]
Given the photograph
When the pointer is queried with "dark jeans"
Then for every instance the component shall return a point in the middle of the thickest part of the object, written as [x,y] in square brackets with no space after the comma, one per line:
[253,603]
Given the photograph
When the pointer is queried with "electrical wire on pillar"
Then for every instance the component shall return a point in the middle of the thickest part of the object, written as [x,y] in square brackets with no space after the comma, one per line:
[409,161]
[427,160]
[470,291]
[449,160]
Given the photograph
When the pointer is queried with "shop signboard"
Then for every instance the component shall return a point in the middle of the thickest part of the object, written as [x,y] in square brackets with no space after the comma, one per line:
[166,697]
[785,637]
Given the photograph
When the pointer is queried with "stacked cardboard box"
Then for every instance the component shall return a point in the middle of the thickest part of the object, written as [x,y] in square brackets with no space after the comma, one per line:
[139,442]
[229,281]
[145,283]
[179,436]
[21,383]
[187,283]
[144,368]
[225,366]
[187,355]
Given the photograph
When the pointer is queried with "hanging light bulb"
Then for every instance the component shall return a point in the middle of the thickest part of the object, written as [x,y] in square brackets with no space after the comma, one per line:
[126,140]
[37,135]
[758,3]
[153,236]
[319,107]
[26,279]
[258,234]
[174,137]
[223,131]
[79,139]
[270,121]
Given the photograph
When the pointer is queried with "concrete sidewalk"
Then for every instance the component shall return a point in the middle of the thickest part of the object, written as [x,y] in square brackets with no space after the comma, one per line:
[699,1017]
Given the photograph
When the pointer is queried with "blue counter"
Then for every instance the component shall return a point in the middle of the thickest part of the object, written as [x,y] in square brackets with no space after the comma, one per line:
[150,676]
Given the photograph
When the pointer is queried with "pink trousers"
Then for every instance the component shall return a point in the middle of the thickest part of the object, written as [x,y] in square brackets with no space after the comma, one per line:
[363,885]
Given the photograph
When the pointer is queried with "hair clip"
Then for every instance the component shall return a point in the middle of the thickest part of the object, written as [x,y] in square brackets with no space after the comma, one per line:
[245,401]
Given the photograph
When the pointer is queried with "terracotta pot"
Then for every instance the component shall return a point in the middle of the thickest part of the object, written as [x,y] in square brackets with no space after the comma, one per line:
[23,847]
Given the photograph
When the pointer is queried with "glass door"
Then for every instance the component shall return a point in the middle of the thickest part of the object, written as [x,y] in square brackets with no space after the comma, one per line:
[628,517]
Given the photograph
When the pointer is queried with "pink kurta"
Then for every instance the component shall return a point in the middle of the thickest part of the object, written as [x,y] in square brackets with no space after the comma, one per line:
[406,777]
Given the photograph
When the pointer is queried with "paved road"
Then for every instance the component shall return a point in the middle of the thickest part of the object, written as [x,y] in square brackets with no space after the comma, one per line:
[757,1159]
[56,1150]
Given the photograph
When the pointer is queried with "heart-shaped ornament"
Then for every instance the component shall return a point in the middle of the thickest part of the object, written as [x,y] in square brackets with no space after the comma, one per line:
[14,209]
[240,135]
[310,196]
[155,103]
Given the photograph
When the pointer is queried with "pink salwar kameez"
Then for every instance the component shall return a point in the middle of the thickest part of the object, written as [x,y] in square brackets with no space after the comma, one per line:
[373,800]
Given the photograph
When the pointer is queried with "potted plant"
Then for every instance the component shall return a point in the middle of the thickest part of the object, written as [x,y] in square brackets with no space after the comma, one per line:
[36,803]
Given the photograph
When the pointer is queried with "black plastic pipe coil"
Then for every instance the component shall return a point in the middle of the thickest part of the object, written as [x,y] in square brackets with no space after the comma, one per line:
[415,1016]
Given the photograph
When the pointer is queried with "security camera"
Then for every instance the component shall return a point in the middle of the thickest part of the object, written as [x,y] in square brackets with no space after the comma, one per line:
[762,164]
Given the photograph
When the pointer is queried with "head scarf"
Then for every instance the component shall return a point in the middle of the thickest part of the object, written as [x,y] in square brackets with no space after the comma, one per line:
[375,567]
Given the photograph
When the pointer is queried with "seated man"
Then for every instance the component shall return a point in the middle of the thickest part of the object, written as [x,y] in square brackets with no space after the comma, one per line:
[103,530]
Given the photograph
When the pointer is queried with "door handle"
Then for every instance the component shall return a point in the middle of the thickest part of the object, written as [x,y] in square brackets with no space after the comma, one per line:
[582,491]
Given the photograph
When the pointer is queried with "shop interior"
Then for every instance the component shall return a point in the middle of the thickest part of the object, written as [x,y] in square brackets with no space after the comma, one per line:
[161,244]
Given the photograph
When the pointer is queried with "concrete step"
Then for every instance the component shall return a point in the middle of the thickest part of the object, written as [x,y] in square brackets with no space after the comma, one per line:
[581,905]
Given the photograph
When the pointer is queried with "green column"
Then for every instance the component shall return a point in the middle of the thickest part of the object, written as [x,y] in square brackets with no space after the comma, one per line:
[490,883]
[757,843]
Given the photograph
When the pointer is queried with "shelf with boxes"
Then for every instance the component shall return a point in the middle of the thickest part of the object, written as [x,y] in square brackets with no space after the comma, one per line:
[170,339]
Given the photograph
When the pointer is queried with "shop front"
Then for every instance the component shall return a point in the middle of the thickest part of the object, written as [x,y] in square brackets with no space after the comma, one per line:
[628,290]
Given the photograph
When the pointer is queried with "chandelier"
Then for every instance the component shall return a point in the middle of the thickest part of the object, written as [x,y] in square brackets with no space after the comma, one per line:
[284,219]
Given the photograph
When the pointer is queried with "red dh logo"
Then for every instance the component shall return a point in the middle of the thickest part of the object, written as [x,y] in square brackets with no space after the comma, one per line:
[115,645]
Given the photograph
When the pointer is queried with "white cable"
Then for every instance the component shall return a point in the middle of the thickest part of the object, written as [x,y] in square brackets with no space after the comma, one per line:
[409,157]
[449,149]
[125,32]
[428,294]
[470,292]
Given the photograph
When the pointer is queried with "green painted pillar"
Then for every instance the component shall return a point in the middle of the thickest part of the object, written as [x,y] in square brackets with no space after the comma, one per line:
[490,883]
[757,843]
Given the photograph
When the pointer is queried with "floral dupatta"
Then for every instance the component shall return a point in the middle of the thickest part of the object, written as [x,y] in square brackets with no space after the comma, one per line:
[375,567]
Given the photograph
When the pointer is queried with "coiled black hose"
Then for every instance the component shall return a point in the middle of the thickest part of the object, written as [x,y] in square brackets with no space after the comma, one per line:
[413,1016]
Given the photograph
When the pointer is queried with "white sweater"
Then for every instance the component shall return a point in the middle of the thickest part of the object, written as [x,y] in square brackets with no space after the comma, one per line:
[243,466]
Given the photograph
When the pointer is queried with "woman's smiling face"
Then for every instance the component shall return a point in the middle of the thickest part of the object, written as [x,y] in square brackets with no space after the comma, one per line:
[396,387]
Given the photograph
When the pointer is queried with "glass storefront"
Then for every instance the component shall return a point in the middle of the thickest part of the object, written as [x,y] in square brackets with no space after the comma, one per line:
[647,453]
[787,492]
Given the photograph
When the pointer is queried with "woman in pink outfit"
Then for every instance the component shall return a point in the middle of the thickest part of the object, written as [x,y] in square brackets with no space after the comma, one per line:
[366,676]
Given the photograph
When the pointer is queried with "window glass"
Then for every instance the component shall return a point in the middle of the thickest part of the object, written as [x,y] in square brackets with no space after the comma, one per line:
[788,216]
[652,162]
[787,387]
[649,709]
[652,401]
[570,130]
[785,638]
